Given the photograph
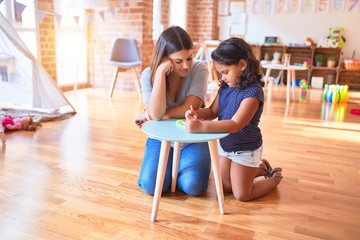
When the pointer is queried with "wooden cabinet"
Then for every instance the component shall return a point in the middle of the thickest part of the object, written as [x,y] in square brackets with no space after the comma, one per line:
[331,75]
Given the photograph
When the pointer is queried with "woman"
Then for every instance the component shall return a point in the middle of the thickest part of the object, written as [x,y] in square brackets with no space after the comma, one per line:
[169,86]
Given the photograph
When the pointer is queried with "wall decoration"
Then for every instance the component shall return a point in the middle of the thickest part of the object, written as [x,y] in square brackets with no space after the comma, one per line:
[223,7]
[309,6]
[268,6]
[256,7]
[338,5]
[322,6]
[294,6]
[281,6]
[352,5]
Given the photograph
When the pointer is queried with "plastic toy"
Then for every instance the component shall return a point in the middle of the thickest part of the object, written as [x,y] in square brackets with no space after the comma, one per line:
[336,35]
[355,111]
[181,123]
[304,87]
[335,93]
[309,42]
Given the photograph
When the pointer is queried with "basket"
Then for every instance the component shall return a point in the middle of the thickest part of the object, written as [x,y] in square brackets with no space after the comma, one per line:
[352,64]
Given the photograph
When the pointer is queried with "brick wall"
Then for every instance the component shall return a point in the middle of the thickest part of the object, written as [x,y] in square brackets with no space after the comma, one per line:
[204,19]
[132,20]
[47,38]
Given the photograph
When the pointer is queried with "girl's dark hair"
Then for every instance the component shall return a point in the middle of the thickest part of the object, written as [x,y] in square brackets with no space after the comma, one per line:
[171,40]
[230,52]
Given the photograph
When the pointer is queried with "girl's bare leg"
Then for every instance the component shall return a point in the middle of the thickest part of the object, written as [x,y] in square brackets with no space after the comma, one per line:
[243,186]
[225,164]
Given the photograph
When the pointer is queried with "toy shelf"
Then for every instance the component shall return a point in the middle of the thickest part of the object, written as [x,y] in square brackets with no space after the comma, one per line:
[300,54]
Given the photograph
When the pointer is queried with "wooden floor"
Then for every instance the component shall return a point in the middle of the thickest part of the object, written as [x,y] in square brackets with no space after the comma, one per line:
[77,178]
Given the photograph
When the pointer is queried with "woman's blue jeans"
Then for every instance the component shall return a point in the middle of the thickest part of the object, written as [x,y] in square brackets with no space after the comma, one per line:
[193,172]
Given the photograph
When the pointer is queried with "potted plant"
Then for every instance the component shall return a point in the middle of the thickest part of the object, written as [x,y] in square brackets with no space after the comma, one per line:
[319,58]
[331,61]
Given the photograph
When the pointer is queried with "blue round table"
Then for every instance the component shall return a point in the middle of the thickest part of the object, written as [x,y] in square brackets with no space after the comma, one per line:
[168,131]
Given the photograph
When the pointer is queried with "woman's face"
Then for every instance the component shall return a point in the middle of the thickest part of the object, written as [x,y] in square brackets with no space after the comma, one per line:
[183,61]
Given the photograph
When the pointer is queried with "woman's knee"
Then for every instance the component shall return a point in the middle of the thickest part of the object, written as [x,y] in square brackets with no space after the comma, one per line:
[149,166]
[194,188]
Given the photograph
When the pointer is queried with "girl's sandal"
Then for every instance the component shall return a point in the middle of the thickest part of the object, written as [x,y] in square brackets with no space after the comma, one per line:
[273,171]
[268,168]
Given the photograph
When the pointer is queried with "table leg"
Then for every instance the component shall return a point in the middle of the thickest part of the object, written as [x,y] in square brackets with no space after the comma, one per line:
[293,81]
[288,87]
[217,174]
[163,159]
[267,77]
[176,156]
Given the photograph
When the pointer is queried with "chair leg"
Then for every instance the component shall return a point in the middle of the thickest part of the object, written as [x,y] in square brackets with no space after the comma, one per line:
[113,82]
[136,81]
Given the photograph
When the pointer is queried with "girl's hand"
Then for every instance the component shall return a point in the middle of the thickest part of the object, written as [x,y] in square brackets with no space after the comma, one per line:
[193,125]
[191,114]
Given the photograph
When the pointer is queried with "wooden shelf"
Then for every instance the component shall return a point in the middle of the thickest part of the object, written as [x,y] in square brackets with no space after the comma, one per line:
[300,54]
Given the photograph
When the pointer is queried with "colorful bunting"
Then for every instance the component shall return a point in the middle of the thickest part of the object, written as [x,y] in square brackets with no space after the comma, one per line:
[19,9]
[40,15]
[76,18]
[102,15]
[113,11]
[58,18]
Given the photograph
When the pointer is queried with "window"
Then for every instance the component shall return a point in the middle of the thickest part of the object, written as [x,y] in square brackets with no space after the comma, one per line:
[157,26]
[24,24]
[71,53]
[178,13]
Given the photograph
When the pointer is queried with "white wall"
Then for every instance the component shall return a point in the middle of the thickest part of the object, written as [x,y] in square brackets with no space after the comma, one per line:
[295,28]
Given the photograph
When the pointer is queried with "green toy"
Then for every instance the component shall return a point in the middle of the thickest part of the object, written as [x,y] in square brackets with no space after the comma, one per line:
[336,36]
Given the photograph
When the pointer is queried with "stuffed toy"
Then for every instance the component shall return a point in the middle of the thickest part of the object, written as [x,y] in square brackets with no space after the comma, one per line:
[336,36]
[309,42]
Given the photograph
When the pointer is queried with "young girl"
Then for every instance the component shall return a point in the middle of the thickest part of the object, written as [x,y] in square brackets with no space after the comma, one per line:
[169,86]
[238,107]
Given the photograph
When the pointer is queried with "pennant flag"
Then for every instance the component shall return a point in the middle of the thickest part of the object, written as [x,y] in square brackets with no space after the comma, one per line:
[19,9]
[76,18]
[58,18]
[122,4]
[90,18]
[40,15]
[102,15]
[112,10]
[1,1]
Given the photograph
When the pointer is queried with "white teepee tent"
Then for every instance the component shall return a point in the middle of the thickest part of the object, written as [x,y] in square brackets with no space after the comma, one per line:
[24,83]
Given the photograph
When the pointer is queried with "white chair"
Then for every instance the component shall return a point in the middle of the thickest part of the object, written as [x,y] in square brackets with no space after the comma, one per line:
[125,56]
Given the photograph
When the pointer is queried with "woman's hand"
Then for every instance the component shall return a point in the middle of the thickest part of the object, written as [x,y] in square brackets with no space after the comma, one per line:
[166,66]
[140,119]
